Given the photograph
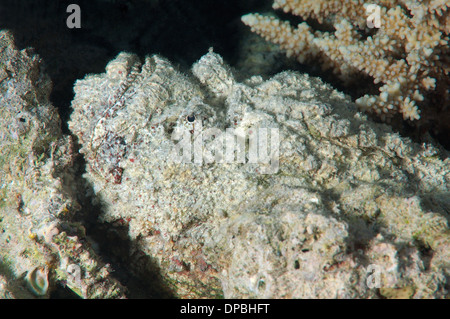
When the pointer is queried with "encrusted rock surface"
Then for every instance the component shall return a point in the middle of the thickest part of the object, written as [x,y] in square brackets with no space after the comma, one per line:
[352,211]
[40,244]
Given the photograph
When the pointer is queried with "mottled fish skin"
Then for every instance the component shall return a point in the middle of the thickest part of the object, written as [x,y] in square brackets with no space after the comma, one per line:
[307,230]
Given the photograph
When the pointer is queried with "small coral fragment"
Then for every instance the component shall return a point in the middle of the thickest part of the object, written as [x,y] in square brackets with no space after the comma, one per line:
[37,280]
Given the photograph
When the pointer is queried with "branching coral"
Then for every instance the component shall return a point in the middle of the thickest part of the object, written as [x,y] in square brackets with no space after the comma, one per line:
[407,54]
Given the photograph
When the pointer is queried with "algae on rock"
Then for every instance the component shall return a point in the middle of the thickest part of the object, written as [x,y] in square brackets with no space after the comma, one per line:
[37,199]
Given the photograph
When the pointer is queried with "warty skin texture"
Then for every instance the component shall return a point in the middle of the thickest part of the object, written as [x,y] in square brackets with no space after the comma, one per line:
[348,192]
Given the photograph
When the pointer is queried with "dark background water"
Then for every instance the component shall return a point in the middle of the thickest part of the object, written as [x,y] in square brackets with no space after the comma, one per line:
[181,30]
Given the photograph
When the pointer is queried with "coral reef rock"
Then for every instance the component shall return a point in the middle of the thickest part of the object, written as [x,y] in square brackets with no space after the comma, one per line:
[40,245]
[345,208]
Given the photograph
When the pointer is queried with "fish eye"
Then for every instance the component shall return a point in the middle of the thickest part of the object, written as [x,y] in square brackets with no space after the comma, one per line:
[191,118]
